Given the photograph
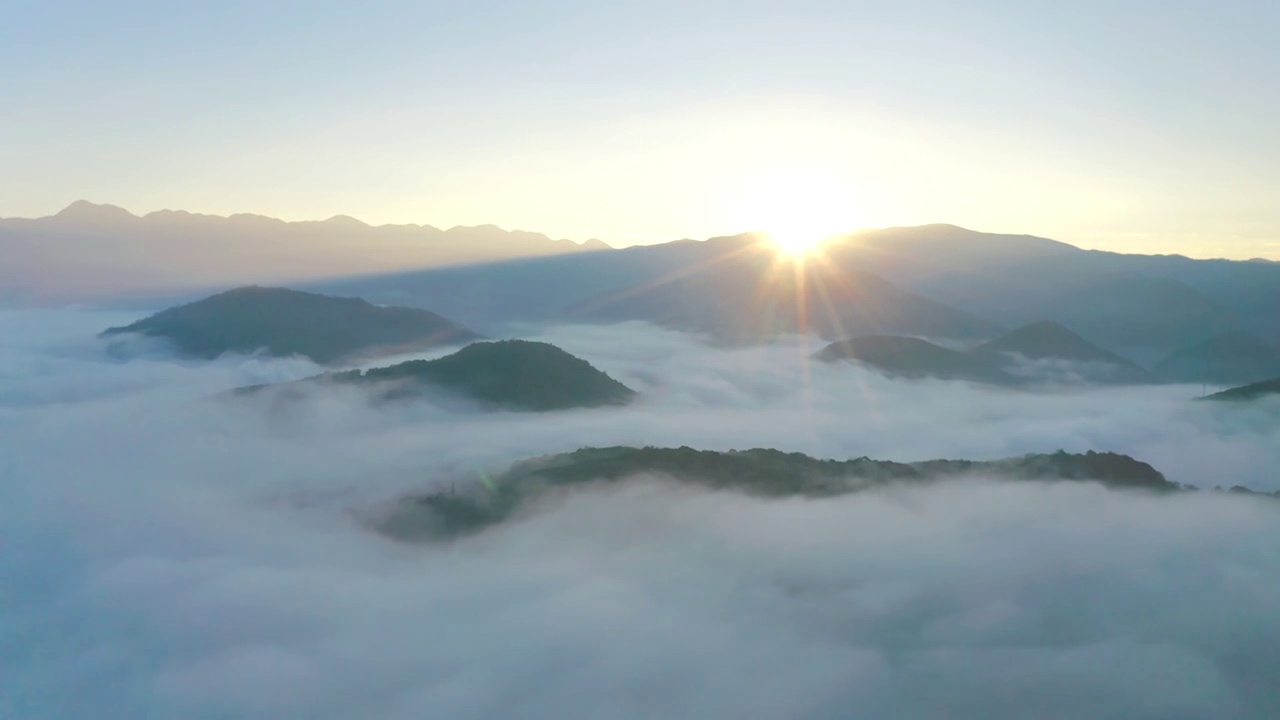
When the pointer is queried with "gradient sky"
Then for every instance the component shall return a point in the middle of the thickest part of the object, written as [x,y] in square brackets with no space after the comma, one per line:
[1132,125]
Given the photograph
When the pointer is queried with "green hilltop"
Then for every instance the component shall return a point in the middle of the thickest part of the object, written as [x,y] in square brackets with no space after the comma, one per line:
[283,322]
[760,472]
[509,374]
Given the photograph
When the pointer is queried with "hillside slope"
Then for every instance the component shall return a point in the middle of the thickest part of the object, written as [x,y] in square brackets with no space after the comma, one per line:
[1051,341]
[744,293]
[1246,393]
[1234,358]
[284,322]
[760,472]
[1043,352]
[915,358]
[509,374]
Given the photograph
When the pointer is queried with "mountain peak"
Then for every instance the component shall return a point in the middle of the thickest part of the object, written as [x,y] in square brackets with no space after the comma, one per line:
[949,227]
[283,322]
[345,221]
[85,211]
[496,374]
[1046,329]
[1047,339]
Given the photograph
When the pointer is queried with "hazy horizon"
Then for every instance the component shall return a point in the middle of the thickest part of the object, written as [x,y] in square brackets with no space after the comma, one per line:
[341,216]
[1135,128]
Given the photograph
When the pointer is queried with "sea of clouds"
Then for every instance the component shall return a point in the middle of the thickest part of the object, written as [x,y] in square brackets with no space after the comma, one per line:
[165,555]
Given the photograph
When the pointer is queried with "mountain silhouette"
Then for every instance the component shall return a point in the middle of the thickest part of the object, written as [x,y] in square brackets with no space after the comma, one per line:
[510,374]
[1048,340]
[931,281]
[1143,305]
[1245,393]
[759,472]
[84,212]
[741,292]
[92,252]
[1139,304]
[731,288]
[915,358]
[1001,361]
[283,322]
[926,252]
[1233,358]
[937,281]
[1140,311]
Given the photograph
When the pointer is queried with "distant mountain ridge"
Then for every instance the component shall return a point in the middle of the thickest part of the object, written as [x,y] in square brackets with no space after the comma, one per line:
[938,281]
[283,322]
[934,281]
[742,293]
[731,288]
[510,374]
[1138,304]
[998,361]
[92,252]
[1232,358]
[1047,339]
[915,358]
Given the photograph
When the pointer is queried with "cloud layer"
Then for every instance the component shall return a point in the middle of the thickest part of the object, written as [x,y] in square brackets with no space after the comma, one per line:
[169,556]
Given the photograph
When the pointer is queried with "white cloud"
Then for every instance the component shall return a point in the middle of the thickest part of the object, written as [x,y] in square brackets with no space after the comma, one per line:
[166,556]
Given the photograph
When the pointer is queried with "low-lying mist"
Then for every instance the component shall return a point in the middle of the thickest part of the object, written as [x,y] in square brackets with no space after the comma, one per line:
[170,555]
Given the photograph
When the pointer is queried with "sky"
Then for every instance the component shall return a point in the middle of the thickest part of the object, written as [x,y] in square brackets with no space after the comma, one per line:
[1143,126]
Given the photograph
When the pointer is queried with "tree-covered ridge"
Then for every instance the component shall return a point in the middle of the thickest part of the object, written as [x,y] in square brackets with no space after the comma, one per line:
[1245,393]
[916,358]
[285,322]
[993,362]
[520,374]
[509,374]
[761,472]
[1048,340]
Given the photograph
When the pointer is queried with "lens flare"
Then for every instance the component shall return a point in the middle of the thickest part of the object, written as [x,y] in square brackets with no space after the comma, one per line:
[797,209]
[796,245]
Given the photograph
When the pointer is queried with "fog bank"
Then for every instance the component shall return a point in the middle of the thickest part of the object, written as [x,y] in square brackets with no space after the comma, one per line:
[174,557]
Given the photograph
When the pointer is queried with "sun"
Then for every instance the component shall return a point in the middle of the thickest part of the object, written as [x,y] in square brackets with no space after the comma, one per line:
[797,245]
[797,211]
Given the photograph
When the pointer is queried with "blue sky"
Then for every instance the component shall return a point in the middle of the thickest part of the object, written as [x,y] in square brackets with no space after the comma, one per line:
[1146,126]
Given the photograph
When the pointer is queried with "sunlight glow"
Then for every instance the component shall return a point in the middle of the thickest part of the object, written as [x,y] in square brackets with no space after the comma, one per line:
[798,209]
[797,244]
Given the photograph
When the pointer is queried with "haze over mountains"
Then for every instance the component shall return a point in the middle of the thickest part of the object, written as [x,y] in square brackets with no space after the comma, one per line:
[1043,352]
[95,252]
[338,331]
[1250,392]
[937,281]
[1227,359]
[1141,303]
